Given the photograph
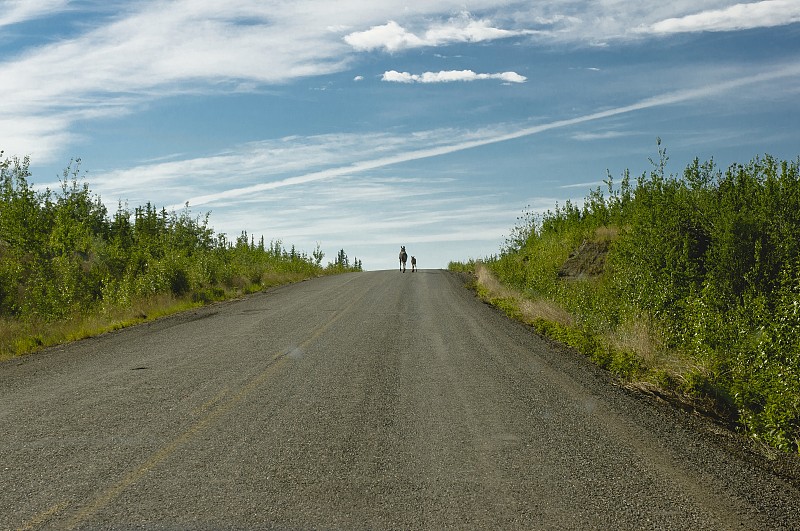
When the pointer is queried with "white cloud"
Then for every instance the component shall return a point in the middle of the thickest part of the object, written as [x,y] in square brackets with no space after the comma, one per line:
[605,22]
[599,136]
[150,50]
[267,186]
[249,170]
[384,150]
[588,185]
[285,203]
[448,76]
[162,50]
[393,37]
[767,13]
[16,11]
[466,29]
[394,76]
[37,136]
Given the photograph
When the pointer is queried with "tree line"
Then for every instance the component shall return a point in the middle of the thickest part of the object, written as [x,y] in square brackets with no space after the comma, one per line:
[62,254]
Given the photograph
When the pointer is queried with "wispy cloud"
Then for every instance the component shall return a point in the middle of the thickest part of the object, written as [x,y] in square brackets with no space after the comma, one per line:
[605,135]
[393,37]
[16,11]
[605,23]
[161,50]
[448,76]
[360,214]
[764,14]
[155,49]
[267,165]
[285,163]
[582,186]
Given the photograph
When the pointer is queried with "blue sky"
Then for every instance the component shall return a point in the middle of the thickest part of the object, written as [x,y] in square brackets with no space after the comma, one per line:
[368,125]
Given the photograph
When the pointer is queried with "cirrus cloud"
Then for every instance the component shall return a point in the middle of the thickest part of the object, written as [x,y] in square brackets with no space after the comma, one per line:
[449,76]
[16,11]
[764,14]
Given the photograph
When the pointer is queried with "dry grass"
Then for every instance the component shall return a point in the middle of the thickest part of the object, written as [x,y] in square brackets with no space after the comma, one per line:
[20,338]
[487,280]
[606,234]
[534,309]
[531,309]
[637,335]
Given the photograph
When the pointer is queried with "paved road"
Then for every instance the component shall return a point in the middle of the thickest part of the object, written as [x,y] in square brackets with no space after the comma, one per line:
[370,400]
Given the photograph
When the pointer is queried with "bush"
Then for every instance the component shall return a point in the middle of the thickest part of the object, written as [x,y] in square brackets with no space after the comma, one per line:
[62,256]
[709,259]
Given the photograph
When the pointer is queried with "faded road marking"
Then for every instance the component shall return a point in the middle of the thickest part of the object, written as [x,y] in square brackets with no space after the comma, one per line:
[208,403]
[164,452]
[42,517]
[106,496]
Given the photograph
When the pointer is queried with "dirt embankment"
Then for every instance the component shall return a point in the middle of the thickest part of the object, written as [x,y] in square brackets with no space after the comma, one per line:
[587,261]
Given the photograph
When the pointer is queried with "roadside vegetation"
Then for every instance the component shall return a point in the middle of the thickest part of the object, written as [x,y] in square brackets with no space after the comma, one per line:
[686,286]
[68,270]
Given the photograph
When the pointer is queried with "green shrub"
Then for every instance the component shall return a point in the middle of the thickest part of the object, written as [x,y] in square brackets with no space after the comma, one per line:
[62,256]
[710,259]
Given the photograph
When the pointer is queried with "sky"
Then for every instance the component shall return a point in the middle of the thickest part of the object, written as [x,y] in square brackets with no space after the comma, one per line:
[365,125]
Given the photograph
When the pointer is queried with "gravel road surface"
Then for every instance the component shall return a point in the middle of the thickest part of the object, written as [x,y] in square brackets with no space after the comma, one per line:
[376,400]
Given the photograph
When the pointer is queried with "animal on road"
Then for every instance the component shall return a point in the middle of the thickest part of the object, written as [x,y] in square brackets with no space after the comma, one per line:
[413,264]
[403,258]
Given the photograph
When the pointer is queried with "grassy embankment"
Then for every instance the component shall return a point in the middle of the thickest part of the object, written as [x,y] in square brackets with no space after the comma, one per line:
[70,271]
[686,286]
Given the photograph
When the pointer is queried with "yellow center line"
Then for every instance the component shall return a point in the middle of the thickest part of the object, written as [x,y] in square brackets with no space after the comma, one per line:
[165,451]
[42,517]
[208,403]
[109,494]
